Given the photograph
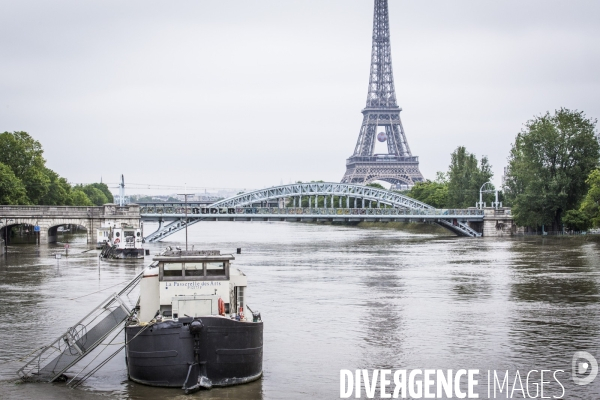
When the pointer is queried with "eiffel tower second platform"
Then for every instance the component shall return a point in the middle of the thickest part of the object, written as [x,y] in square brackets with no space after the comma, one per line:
[400,170]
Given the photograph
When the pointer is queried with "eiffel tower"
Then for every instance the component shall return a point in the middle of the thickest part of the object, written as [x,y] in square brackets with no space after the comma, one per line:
[398,167]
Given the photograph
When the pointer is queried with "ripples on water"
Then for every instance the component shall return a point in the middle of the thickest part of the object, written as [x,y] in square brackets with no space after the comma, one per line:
[337,298]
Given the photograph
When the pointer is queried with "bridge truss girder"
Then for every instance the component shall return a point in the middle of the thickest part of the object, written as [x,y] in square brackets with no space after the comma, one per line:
[368,193]
[391,199]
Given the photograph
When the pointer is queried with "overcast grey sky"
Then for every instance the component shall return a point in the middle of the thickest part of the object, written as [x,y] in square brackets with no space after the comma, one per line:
[249,94]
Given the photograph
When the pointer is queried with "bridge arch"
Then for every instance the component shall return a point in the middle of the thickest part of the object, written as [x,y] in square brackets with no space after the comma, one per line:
[48,227]
[386,197]
[52,229]
[7,232]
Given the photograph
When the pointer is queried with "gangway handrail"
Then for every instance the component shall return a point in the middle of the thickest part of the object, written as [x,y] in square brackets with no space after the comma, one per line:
[51,361]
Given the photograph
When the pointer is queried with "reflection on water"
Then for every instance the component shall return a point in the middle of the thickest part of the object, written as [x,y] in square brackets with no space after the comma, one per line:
[335,298]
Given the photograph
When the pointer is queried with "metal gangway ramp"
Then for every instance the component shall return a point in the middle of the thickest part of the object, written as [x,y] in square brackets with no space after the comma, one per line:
[50,362]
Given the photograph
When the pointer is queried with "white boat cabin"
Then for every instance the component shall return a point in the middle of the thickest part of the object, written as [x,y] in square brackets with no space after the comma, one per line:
[124,237]
[192,284]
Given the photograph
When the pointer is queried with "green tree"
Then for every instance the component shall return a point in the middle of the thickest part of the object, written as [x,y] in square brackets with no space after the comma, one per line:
[12,191]
[433,193]
[591,203]
[576,220]
[96,196]
[465,177]
[24,156]
[79,198]
[104,189]
[59,190]
[37,183]
[376,185]
[96,193]
[20,152]
[549,164]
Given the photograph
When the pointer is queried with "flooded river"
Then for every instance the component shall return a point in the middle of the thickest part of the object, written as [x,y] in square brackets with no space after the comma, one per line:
[336,298]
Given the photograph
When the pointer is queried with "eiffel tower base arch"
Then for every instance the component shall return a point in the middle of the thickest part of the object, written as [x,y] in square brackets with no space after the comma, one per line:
[401,172]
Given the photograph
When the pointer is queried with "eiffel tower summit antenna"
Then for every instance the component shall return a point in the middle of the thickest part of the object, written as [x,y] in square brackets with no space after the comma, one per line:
[381,120]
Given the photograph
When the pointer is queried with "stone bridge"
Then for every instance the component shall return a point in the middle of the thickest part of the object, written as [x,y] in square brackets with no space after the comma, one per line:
[49,218]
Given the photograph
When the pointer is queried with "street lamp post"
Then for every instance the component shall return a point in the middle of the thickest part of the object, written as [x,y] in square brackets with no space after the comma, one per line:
[488,187]
[185,195]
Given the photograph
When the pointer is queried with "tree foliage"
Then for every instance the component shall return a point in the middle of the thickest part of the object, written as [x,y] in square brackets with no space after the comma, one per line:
[465,177]
[591,202]
[576,220]
[21,153]
[434,193]
[376,185]
[96,193]
[79,198]
[12,191]
[25,179]
[104,189]
[24,156]
[548,166]
[59,190]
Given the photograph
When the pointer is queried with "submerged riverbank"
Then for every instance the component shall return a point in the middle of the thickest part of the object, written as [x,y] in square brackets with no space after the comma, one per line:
[408,227]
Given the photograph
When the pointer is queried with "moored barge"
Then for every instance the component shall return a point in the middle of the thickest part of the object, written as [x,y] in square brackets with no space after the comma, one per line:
[191,328]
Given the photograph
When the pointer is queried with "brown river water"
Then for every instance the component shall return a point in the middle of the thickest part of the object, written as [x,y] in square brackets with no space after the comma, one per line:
[333,298]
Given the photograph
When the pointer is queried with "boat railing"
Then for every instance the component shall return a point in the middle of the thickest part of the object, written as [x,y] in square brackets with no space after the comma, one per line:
[50,362]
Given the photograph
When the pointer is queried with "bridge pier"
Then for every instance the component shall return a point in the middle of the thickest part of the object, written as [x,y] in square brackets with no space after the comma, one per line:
[498,222]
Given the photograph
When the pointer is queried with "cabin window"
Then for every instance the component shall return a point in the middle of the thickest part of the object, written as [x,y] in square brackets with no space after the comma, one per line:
[128,233]
[118,234]
[173,269]
[215,268]
[138,234]
[194,269]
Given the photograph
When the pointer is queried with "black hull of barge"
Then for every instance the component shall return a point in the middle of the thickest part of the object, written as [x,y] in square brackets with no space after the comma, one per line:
[116,253]
[229,353]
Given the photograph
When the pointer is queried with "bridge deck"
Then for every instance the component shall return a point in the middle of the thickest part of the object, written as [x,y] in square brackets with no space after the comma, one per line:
[376,205]
[295,214]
